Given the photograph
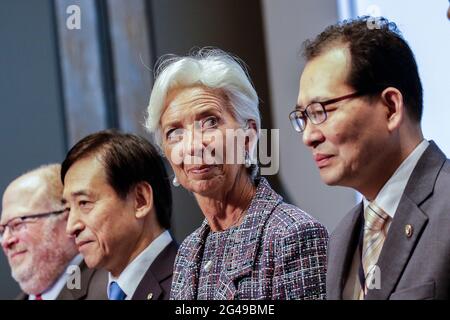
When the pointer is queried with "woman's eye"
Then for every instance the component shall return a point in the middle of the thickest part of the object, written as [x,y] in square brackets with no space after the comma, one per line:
[174,134]
[209,122]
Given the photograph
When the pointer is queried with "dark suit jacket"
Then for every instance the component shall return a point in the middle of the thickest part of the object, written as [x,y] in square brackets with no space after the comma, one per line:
[157,280]
[93,286]
[415,267]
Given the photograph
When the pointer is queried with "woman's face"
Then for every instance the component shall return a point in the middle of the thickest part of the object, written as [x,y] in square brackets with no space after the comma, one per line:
[199,138]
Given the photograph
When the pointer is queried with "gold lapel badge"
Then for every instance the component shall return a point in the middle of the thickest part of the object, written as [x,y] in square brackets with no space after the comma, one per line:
[408,230]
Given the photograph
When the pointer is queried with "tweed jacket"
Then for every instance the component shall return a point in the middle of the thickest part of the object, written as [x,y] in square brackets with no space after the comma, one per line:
[279,252]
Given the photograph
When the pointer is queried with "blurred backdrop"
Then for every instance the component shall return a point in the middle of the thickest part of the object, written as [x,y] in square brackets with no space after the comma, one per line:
[63,78]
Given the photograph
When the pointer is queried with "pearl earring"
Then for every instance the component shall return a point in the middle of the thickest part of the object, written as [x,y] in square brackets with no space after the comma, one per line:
[175,182]
[248,162]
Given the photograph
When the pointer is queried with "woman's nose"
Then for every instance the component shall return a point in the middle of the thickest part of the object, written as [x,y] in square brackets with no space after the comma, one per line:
[194,142]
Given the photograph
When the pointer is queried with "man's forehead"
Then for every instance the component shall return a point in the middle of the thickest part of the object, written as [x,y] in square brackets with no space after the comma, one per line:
[79,186]
[84,177]
[77,193]
[324,75]
[25,185]
[21,205]
[14,210]
[24,195]
[85,169]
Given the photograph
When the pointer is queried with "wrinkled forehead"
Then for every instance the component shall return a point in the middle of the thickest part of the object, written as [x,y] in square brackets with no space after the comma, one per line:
[185,101]
[190,94]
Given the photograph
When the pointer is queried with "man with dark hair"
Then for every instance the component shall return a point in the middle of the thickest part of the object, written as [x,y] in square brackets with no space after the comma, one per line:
[118,196]
[359,109]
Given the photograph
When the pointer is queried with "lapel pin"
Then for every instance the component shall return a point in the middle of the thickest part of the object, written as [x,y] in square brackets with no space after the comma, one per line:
[408,230]
[150,296]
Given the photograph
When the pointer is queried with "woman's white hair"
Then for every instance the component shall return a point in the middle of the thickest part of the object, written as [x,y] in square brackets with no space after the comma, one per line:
[208,67]
[211,68]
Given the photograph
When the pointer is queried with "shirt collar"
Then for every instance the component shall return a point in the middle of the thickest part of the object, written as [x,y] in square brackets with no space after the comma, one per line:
[52,292]
[130,278]
[389,196]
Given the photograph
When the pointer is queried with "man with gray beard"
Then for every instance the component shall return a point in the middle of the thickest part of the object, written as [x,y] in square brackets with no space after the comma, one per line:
[43,259]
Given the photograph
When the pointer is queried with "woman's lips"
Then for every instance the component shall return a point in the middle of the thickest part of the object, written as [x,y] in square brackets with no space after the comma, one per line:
[322,160]
[200,171]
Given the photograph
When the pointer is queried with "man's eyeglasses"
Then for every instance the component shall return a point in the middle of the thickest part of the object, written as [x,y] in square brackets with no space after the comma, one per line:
[18,223]
[315,112]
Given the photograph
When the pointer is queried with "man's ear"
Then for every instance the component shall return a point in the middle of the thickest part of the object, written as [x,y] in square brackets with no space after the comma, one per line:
[392,98]
[143,199]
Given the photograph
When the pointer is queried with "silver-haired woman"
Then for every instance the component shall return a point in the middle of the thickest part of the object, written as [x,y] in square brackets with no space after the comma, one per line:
[203,111]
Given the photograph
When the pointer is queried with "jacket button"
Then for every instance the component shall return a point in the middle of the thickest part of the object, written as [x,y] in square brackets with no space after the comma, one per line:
[150,296]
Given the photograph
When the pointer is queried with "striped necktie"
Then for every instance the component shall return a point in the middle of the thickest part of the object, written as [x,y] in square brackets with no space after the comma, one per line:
[374,235]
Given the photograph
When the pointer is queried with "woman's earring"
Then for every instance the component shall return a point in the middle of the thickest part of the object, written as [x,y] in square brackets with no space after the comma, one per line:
[175,182]
[248,162]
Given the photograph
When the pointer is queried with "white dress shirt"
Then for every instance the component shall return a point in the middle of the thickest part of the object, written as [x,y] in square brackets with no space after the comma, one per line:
[130,278]
[387,199]
[53,292]
[389,196]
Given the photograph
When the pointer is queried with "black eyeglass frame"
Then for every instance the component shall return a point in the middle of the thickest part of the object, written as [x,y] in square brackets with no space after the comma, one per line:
[26,217]
[293,115]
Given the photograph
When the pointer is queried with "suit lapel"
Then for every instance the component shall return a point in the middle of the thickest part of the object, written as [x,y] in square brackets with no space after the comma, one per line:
[21,296]
[159,270]
[71,294]
[342,247]
[191,268]
[78,294]
[398,247]
[240,260]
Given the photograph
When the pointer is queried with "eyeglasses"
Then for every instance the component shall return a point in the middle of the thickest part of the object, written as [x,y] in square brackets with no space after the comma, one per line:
[16,224]
[315,112]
